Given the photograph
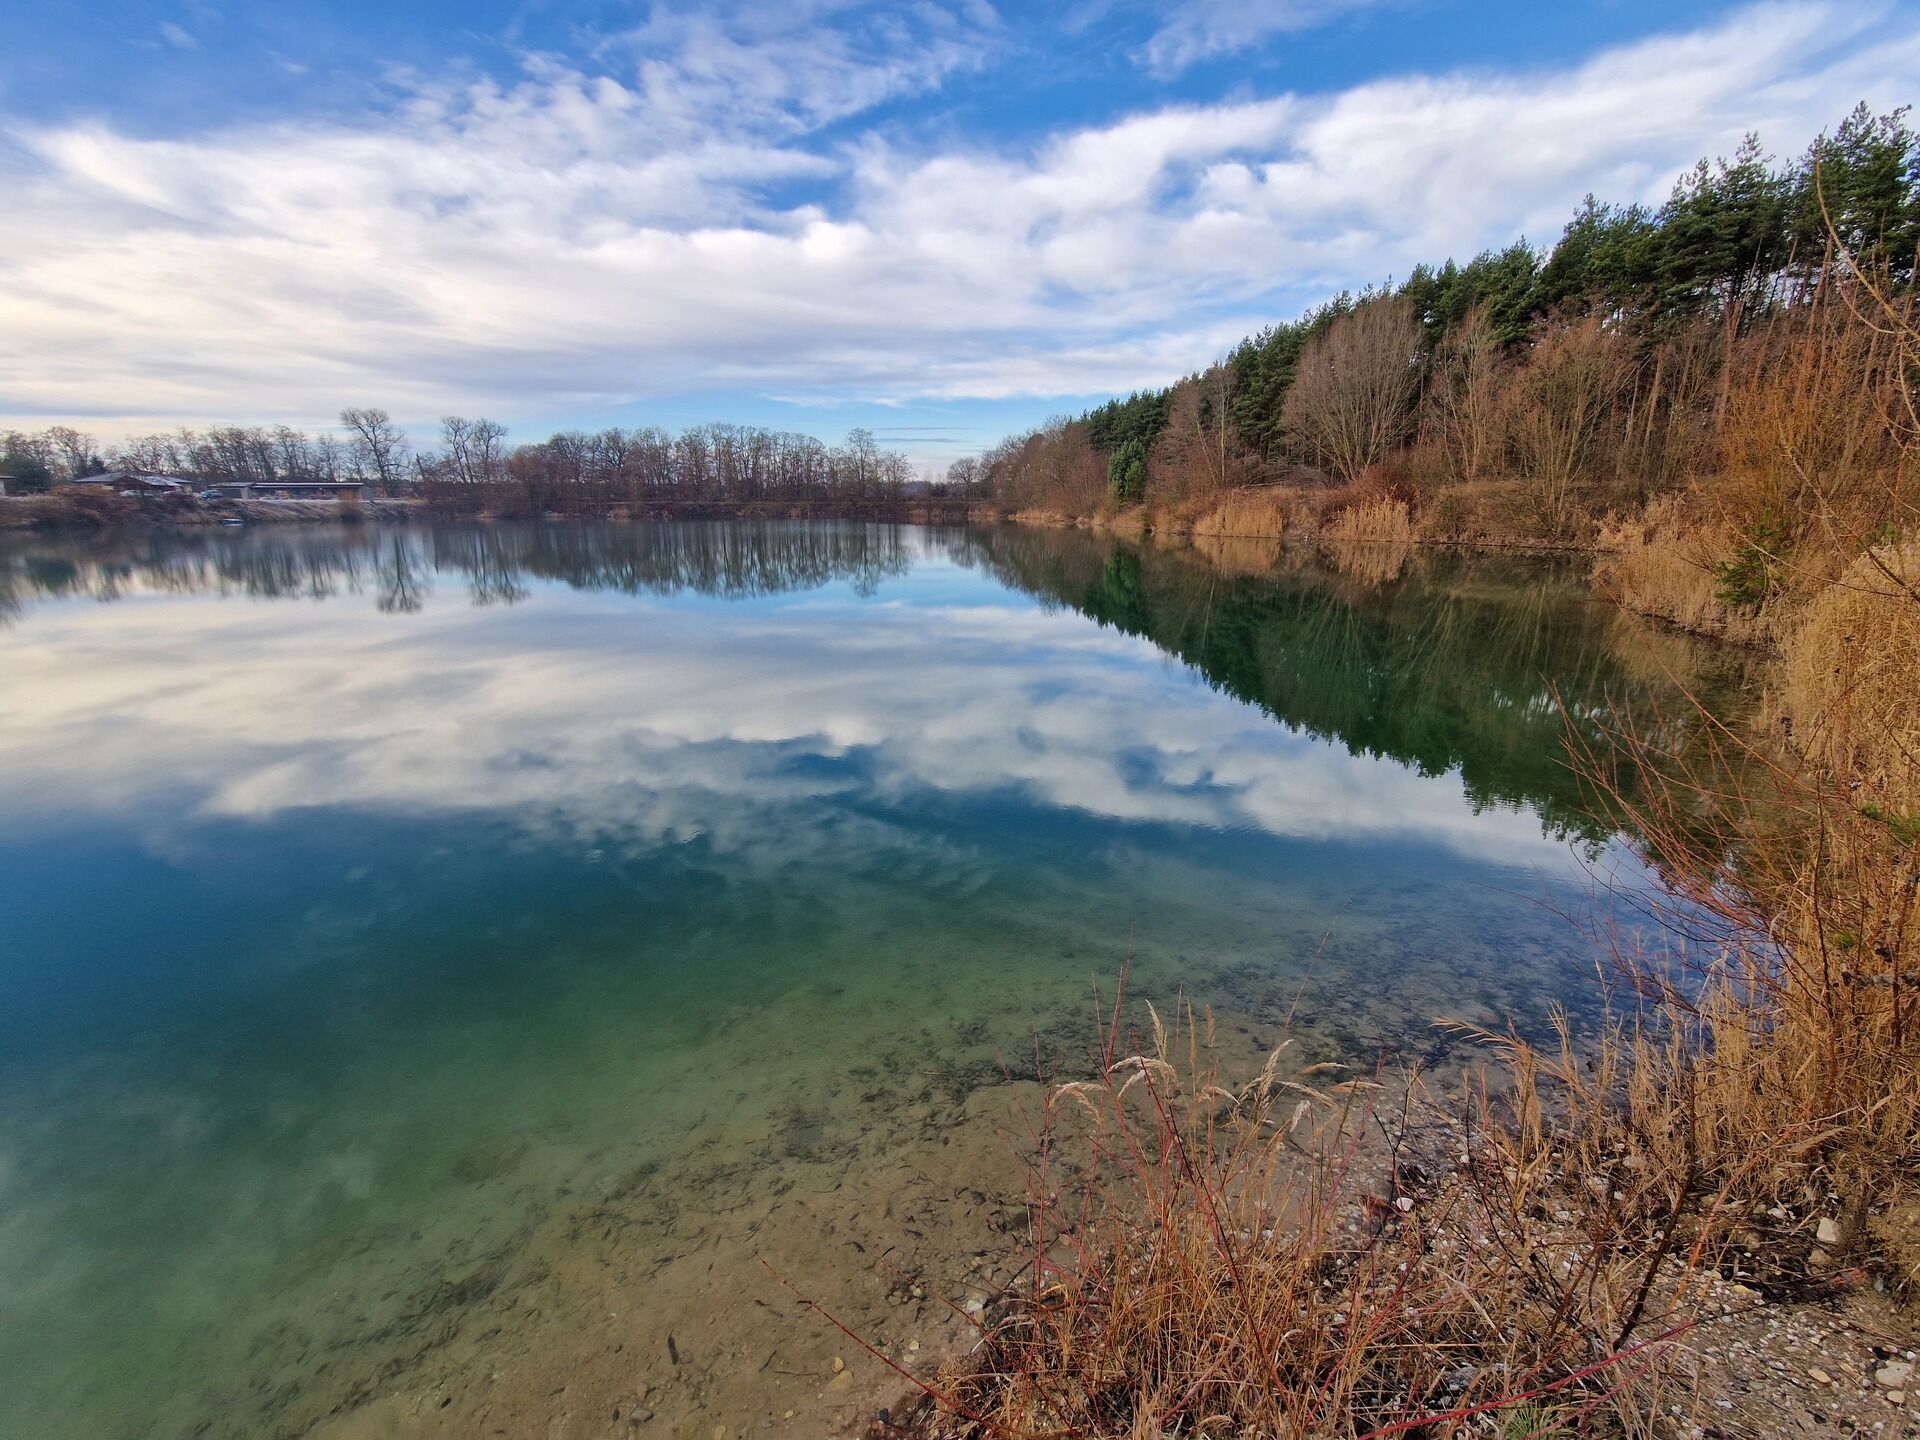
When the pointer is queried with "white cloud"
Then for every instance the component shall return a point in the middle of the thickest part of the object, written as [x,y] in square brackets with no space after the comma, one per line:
[578,239]
[797,66]
[1198,30]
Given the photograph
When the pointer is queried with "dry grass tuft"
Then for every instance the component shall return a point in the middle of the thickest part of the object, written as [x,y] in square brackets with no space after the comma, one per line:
[1244,514]
[1383,518]
[1852,676]
[1662,562]
[1264,1257]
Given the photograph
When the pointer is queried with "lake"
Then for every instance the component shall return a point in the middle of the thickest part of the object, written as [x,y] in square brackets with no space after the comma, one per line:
[438,964]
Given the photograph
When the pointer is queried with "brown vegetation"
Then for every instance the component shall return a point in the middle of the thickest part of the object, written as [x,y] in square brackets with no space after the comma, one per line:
[474,471]
[1661,561]
[1249,514]
[1381,517]
[75,506]
[1351,401]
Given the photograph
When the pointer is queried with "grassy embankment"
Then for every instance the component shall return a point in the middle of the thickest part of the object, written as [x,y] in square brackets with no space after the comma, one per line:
[1211,1255]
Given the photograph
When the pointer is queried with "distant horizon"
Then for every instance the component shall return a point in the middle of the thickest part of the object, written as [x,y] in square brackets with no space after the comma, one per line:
[941,224]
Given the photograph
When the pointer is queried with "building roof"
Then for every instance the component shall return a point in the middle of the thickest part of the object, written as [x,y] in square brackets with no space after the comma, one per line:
[129,477]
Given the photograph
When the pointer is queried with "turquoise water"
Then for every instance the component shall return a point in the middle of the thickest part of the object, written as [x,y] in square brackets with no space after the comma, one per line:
[375,904]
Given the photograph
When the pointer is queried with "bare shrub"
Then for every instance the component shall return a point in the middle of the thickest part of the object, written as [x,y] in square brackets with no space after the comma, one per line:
[1490,512]
[1351,401]
[1465,402]
[1198,453]
[1562,412]
[1667,433]
[1810,449]
[1054,469]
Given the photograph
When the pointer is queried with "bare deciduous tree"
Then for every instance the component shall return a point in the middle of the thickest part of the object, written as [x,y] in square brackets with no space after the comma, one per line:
[1351,401]
[72,453]
[379,449]
[1199,452]
[1565,403]
[1464,398]
[964,475]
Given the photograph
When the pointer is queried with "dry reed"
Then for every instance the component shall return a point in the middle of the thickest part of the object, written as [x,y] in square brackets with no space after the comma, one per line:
[1382,518]
[1269,1258]
[1662,561]
[1244,514]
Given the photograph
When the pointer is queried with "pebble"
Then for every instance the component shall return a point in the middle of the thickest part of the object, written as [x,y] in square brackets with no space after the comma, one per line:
[1819,1376]
[1827,1232]
[1898,1397]
[1894,1374]
[838,1364]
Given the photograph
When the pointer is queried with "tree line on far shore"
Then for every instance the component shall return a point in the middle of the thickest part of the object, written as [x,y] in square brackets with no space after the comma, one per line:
[473,467]
[1529,391]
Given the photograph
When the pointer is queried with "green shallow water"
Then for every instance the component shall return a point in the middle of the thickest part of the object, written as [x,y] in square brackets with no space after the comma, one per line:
[371,899]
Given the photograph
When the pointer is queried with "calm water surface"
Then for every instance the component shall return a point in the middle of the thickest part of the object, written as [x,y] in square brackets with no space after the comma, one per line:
[370,899]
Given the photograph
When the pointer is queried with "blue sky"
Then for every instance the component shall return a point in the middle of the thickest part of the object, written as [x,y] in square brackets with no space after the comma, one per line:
[943,220]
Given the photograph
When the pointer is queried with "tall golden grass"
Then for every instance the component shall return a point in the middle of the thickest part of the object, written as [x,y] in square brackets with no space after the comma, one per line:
[1267,1256]
[1852,676]
[1244,514]
[1384,517]
[1661,562]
